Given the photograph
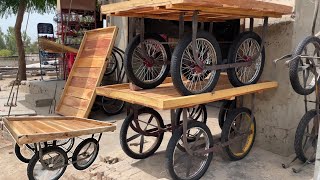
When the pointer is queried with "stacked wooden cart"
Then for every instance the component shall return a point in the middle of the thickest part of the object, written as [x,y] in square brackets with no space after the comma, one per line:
[195,65]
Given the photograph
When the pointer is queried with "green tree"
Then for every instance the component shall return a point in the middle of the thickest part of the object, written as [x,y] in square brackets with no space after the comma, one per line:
[2,42]
[5,53]
[32,48]
[19,7]
[10,40]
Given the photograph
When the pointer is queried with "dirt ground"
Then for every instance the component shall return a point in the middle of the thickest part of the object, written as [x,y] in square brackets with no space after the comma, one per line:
[259,164]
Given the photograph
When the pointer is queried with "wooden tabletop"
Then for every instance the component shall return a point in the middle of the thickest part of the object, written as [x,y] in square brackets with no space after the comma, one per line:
[36,129]
[166,97]
[210,10]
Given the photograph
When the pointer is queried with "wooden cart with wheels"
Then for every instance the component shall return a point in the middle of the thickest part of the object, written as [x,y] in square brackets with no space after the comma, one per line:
[51,139]
[196,61]
[191,145]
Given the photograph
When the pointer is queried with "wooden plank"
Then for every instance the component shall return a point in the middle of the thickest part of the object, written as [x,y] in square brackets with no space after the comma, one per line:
[87,72]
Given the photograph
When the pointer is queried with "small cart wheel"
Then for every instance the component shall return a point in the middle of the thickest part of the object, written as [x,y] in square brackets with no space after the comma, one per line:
[66,144]
[243,48]
[240,131]
[187,76]
[24,154]
[301,70]
[54,164]
[112,106]
[224,109]
[305,141]
[85,153]
[149,70]
[185,166]
[111,65]
[141,138]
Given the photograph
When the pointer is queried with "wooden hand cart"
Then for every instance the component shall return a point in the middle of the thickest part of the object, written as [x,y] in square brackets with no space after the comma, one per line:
[143,129]
[50,139]
[196,61]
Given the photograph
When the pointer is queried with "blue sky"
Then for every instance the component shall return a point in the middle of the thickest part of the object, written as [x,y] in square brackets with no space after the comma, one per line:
[34,19]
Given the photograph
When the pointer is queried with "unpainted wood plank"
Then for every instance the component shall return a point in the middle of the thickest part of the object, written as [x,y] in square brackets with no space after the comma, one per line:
[94,52]
[56,124]
[83,82]
[81,93]
[76,102]
[41,127]
[99,43]
[70,111]
[91,62]
[87,72]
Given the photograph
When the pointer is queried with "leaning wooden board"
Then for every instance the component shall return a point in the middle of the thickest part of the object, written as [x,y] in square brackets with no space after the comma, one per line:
[209,10]
[166,97]
[36,129]
[87,72]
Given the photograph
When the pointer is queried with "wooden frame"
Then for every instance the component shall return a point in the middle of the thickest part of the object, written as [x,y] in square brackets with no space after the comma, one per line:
[41,129]
[209,10]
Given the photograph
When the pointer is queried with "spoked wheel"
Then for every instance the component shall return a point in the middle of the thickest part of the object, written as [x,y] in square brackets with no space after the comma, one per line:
[66,144]
[112,106]
[25,153]
[54,164]
[305,142]
[242,50]
[112,64]
[187,76]
[302,70]
[224,109]
[147,67]
[180,163]
[141,138]
[240,131]
[85,154]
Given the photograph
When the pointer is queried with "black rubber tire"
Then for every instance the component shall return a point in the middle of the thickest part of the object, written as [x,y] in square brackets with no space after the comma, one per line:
[224,109]
[179,115]
[225,132]
[172,144]
[124,130]
[112,113]
[233,53]
[298,144]
[77,151]
[107,73]
[176,62]
[294,65]
[17,151]
[128,61]
[35,159]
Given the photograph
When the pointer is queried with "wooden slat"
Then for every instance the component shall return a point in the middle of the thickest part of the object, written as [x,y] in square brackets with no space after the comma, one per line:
[87,72]
[79,92]
[83,82]
[63,109]
[94,52]
[75,102]
[92,62]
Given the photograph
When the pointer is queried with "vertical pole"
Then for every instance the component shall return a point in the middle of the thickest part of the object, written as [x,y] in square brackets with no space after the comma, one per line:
[211,27]
[194,37]
[174,119]
[185,129]
[181,25]
[251,24]
[317,163]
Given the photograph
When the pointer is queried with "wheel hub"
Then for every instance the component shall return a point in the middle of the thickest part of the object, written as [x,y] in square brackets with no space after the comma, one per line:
[247,58]
[148,62]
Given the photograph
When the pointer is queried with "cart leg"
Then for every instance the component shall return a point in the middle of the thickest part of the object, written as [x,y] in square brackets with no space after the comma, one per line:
[181,25]
[211,27]
[285,166]
[194,37]
[251,24]
[173,115]
[264,32]
[185,129]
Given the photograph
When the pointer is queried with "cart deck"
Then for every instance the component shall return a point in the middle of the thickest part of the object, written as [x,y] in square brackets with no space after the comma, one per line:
[40,129]
[166,97]
[209,10]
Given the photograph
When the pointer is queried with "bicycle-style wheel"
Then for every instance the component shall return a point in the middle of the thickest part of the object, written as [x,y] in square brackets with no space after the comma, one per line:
[302,70]
[147,64]
[244,47]
[112,106]
[306,138]
[85,153]
[111,65]
[240,129]
[25,153]
[187,76]
[224,109]
[142,137]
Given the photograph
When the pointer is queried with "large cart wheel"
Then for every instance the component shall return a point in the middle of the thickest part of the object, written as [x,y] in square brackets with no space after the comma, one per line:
[85,154]
[302,70]
[141,138]
[25,153]
[66,144]
[112,106]
[111,65]
[239,130]
[197,113]
[180,163]
[54,164]
[187,76]
[147,69]
[224,109]
[305,141]
[244,47]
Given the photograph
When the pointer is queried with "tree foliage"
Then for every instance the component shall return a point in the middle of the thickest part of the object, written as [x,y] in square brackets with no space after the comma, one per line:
[10,41]
[2,42]
[5,53]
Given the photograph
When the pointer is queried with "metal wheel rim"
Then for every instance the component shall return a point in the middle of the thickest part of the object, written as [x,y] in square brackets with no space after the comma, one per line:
[111,64]
[188,159]
[111,105]
[193,81]
[51,160]
[142,141]
[152,74]
[306,75]
[309,145]
[248,48]
[245,142]
[87,154]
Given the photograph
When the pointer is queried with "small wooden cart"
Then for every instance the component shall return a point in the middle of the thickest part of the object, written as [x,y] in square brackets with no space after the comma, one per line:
[192,143]
[51,139]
